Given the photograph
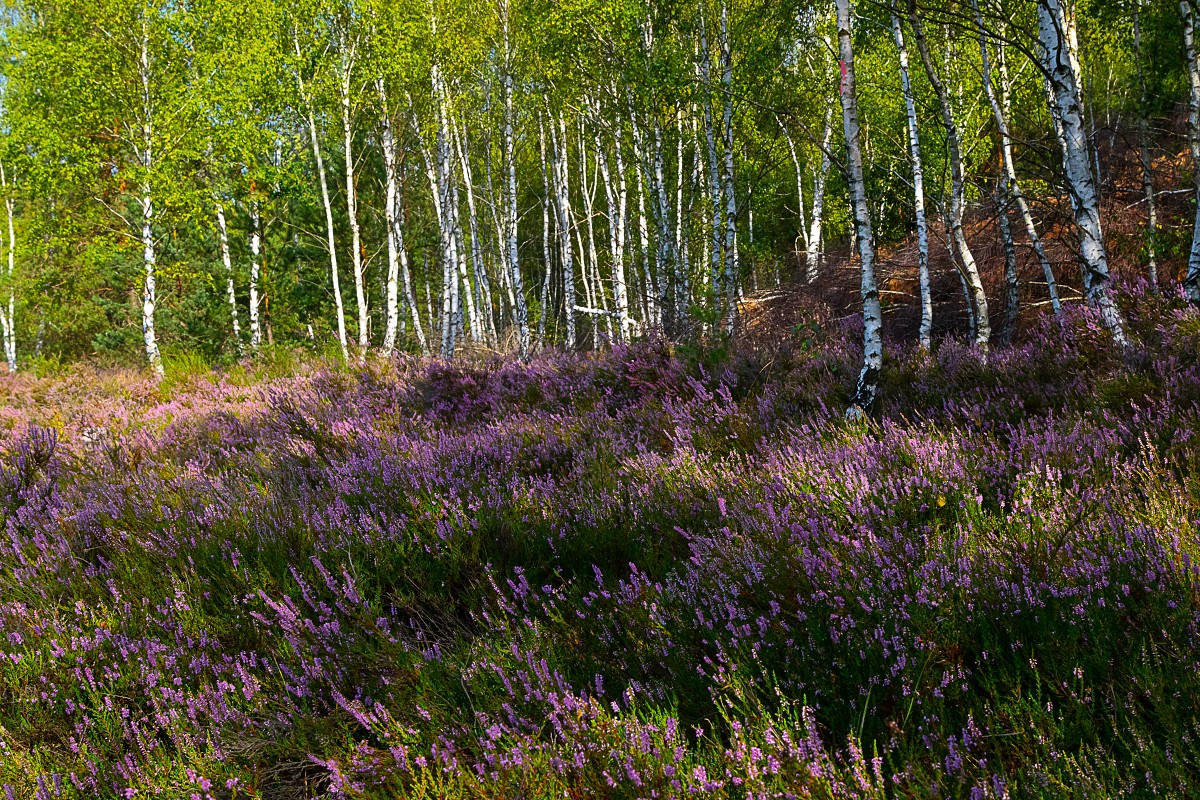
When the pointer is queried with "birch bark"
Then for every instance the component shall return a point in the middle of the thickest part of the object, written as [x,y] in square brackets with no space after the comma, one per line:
[970,270]
[1192,280]
[1064,82]
[868,377]
[925,331]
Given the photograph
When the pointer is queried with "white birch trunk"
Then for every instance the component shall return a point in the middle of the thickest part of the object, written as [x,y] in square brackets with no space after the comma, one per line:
[8,318]
[1144,152]
[616,198]
[391,192]
[868,378]
[1057,64]
[559,172]
[329,228]
[1011,188]
[814,249]
[149,260]
[732,269]
[1192,280]
[801,212]
[925,331]
[230,292]
[970,271]
[483,289]
[360,295]
[520,306]
[255,274]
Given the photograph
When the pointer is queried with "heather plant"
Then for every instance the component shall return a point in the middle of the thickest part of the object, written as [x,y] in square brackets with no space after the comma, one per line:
[622,574]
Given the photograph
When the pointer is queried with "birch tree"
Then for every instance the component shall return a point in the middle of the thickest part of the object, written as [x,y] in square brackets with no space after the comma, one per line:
[1192,280]
[1058,66]
[958,180]
[925,331]
[868,378]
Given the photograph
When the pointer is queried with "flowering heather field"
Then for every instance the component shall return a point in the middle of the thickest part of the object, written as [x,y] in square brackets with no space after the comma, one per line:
[624,575]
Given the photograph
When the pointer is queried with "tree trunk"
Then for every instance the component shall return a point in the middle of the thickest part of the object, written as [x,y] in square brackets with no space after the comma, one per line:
[1057,65]
[1012,307]
[925,333]
[255,274]
[1012,187]
[149,261]
[732,269]
[8,319]
[520,306]
[392,283]
[1192,281]
[1144,151]
[616,199]
[231,294]
[813,252]
[868,378]
[970,270]
[360,291]
[329,228]
[483,289]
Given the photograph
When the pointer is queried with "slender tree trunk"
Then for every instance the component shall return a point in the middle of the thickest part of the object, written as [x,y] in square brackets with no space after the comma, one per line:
[231,294]
[802,236]
[732,269]
[149,261]
[392,283]
[957,189]
[616,199]
[925,333]
[1000,110]
[1192,281]
[483,288]
[1012,308]
[329,228]
[814,250]
[1144,150]
[868,378]
[714,168]
[545,294]
[520,306]
[397,253]
[1057,64]
[255,274]
[8,319]
[360,289]
[560,173]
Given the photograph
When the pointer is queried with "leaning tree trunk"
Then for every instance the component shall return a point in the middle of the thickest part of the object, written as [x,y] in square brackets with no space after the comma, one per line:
[925,334]
[868,378]
[970,271]
[1192,281]
[1064,83]
[1000,110]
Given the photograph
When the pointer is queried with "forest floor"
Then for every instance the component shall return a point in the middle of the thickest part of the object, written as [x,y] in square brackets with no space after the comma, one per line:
[645,572]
